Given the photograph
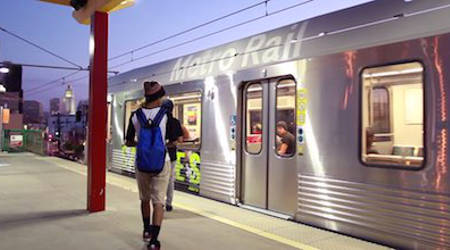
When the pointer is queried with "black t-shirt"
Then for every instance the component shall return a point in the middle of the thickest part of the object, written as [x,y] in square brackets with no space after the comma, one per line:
[174,131]
[289,139]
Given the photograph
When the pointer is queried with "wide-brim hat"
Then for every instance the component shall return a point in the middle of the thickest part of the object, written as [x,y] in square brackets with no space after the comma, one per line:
[153,91]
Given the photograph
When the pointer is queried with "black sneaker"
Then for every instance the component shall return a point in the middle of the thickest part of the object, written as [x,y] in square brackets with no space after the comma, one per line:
[146,236]
[154,245]
[169,208]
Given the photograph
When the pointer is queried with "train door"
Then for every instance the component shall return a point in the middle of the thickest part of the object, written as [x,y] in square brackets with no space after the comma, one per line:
[269,145]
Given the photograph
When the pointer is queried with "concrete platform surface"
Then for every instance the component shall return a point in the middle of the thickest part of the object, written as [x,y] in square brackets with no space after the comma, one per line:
[42,206]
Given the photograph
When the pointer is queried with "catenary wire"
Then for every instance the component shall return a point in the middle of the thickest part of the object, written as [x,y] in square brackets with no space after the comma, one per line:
[39,47]
[190,29]
[266,14]
[212,33]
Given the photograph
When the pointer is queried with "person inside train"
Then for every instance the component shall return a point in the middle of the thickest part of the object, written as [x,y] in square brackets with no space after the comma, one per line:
[257,129]
[370,138]
[286,146]
[152,187]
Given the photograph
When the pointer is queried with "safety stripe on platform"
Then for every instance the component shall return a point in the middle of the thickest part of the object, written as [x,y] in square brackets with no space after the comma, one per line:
[274,237]
[246,227]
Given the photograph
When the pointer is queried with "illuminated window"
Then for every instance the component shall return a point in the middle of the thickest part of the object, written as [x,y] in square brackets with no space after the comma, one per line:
[130,107]
[188,110]
[253,120]
[285,125]
[392,115]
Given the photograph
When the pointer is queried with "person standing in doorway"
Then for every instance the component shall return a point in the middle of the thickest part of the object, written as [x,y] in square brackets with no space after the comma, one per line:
[152,186]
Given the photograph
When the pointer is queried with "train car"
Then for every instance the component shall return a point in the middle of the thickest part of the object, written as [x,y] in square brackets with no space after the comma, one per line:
[340,121]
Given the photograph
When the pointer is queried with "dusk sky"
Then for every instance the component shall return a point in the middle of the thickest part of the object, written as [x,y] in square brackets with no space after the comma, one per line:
[53,27]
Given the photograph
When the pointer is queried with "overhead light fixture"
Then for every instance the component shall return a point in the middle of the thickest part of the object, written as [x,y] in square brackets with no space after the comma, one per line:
[4,70]
[186,97]
[394,73]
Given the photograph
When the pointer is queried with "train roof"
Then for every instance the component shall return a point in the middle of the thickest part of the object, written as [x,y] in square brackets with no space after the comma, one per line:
[370,24]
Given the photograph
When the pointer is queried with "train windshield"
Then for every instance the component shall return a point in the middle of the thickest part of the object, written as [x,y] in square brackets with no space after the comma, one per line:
[393,115]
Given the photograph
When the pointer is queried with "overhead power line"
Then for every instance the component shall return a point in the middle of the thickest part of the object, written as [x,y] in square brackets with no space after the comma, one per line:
[39,47]
[266,14]
[39,89]
[64,82]
[61,78]
[58,67]
[52,82]
[130,52]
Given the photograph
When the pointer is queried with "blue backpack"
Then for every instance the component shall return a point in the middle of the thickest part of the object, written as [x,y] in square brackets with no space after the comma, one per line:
[151,149]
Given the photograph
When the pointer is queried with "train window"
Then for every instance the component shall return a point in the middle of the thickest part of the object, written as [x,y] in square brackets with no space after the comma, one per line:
[253,120]
[188,110]
[392,115]
[285,118]
[130,107]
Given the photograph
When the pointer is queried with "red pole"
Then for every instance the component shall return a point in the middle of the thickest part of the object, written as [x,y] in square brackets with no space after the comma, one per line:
[98,87]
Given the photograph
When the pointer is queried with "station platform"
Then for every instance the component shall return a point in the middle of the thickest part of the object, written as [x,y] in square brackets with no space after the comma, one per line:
[42,206]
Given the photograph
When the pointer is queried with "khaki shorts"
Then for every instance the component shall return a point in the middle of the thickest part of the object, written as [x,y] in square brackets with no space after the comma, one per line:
[153,187]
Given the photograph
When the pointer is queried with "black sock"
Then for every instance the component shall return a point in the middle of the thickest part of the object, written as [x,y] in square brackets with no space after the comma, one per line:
[154,232]
[146,223]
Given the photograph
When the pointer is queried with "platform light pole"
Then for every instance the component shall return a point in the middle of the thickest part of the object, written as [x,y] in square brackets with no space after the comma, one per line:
[95,13]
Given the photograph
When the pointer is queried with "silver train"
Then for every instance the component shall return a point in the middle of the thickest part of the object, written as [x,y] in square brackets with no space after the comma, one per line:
[364,94]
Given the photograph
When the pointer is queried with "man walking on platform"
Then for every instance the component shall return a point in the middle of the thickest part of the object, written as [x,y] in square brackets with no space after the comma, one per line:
[152,163]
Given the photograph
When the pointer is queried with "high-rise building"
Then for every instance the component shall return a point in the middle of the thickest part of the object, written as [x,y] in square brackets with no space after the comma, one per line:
[62,126]
[69,101]
[12,101]
[55,105]
[33,112]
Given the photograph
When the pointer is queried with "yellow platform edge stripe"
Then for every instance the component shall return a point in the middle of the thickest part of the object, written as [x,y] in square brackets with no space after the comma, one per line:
[202,213]
[246,228]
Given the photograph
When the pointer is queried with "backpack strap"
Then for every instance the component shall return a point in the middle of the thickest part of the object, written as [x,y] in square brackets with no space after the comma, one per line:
[141,118]
[162,111]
